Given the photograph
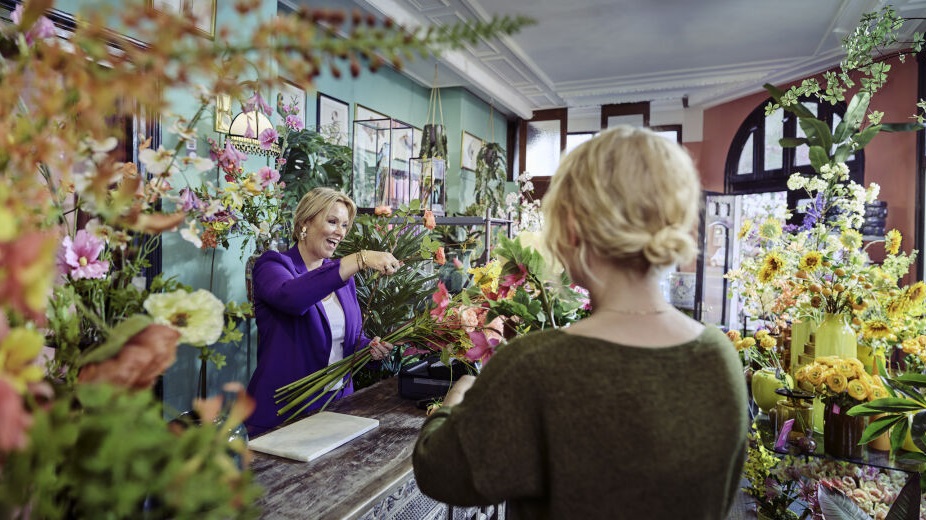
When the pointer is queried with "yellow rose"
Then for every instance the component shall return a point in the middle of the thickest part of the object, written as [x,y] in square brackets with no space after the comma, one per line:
[815,375]
[858,389]
[836,383]
[877,392]
[844,368]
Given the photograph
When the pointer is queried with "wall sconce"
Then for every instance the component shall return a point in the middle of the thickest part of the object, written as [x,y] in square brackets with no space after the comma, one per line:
[238,133]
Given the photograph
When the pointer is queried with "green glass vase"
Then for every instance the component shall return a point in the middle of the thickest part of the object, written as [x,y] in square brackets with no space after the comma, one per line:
[835,337]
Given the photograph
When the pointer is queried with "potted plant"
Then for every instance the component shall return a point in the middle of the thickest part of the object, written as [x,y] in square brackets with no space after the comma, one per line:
[490,179]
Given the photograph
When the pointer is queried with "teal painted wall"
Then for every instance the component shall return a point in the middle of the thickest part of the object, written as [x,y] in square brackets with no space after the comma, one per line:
[222,271]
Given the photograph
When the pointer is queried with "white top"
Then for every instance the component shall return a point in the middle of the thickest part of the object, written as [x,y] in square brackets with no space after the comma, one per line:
[335,314]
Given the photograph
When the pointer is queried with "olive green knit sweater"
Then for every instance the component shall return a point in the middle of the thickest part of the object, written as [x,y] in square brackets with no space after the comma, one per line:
[565,426]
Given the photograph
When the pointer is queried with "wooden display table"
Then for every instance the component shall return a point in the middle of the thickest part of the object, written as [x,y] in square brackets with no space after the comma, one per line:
[369,477]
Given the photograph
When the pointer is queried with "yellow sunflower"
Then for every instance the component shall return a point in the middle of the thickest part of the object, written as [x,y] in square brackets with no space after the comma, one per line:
[747,227]
[876,329]
[771,266]
[916,293]
[811,261]
[892,241]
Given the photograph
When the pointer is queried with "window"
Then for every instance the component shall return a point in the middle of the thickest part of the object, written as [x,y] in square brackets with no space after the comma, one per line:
[756,163]
[575,139]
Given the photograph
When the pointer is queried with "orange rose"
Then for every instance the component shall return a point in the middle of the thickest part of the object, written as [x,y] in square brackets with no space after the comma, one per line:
[429,221]
[439,256]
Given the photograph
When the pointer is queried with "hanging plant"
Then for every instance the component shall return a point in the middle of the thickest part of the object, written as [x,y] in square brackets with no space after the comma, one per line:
[490,178]
[433,142]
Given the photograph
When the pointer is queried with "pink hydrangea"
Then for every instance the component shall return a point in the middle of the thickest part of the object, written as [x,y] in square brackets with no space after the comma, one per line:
[80,258]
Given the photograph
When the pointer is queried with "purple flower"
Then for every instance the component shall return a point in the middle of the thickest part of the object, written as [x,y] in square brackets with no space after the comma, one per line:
[189,201]
[80,258]
[230,160]
[256,102]
[43,28]
[267,176]
[268,137]
[294,122]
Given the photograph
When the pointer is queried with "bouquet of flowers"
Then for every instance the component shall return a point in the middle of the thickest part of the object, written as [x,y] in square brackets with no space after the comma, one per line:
[842,381]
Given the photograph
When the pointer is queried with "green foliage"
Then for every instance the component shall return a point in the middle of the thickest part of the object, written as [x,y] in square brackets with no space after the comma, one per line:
[310,162]
[105,452]
[904,411]
[490,180]
[433,142]
[389,301]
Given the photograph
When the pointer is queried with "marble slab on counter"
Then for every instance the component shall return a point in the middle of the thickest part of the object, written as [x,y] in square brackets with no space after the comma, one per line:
[312,437]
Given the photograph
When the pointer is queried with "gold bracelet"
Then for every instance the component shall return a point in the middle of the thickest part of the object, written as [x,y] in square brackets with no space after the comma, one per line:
[362,262]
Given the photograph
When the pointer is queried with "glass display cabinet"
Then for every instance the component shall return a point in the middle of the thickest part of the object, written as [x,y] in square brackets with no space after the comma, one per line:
[381,175]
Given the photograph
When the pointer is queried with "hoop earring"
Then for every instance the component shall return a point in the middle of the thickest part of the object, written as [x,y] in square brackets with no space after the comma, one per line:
[302,234]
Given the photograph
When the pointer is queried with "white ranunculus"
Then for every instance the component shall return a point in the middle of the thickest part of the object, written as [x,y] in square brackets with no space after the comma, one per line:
[198,316]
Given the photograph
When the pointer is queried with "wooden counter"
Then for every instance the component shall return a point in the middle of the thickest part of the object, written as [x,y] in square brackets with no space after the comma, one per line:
[369,477]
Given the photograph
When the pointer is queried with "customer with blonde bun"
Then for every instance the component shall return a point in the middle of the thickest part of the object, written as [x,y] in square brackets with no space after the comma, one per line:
[636,412]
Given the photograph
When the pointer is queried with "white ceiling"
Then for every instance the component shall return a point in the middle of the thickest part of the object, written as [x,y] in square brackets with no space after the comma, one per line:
[582,54]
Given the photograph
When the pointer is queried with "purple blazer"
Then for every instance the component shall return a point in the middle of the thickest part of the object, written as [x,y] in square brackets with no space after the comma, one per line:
[294,338]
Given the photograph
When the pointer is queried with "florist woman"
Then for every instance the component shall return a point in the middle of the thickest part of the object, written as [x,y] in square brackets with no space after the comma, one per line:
[306,304]
[635,412]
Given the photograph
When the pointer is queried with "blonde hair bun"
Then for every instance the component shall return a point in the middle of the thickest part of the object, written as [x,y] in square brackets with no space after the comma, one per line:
[628,195]
[668,246]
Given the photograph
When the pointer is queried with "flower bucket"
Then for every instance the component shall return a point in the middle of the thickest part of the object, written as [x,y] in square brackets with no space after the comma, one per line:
[841,432]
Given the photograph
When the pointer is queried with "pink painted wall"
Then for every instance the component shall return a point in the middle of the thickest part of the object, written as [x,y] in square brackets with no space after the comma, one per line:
[890,158]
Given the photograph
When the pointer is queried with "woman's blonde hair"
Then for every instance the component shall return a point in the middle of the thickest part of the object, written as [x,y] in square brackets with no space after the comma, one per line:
[629,196]
[320,200]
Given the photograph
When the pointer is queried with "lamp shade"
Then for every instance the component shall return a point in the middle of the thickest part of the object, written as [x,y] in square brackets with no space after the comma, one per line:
[244,130]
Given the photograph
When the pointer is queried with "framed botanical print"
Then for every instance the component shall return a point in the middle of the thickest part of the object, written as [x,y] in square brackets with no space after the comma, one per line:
[292,96]
[332,120]
[470,150]
[362,113]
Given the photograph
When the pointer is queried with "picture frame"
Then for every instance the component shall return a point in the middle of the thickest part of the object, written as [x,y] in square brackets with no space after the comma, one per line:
[332,119]
[223,113]
[201,13]
[291,94]
[469,151]
[362,113]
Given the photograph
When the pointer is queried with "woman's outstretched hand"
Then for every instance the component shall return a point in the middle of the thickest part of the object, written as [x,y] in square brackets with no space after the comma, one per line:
[382,261]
